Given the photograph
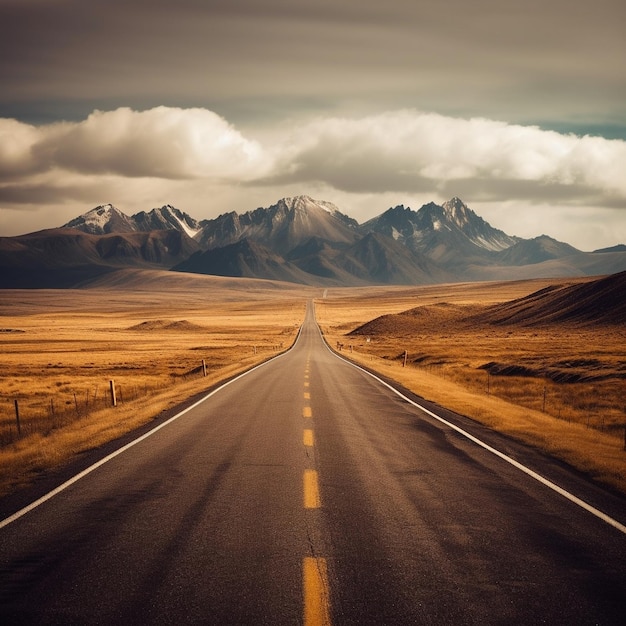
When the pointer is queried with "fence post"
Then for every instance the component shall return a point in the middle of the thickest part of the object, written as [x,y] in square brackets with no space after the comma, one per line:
[113,398]
[203,367]
[405,357]
[17,418]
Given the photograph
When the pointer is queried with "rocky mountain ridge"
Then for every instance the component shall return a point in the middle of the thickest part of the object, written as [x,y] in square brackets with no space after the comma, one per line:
[106,219]
[299,240]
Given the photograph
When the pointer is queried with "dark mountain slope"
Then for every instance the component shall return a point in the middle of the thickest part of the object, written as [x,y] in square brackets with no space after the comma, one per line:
[379,259]
[618,248]
[537,250]
[64,257]
[322,258]
[244,258]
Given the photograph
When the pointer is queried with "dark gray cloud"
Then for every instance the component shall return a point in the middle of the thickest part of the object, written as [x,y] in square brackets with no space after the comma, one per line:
[549,61]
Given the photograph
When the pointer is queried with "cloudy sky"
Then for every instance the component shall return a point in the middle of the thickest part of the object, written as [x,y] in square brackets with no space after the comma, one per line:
[221,105]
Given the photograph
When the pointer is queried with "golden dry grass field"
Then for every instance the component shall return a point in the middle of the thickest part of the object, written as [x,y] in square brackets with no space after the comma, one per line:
[559,387]
[61,348]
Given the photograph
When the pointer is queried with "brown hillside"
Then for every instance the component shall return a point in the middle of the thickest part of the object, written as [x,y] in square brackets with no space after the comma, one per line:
[441,317]
[158,325]
[600,301]
[592,302]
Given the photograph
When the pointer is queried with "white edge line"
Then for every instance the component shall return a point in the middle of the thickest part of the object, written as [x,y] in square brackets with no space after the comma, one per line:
[544,481]
[106,459]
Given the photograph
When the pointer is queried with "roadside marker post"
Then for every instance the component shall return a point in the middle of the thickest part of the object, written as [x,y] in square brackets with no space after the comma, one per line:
[113,398]
[17,418]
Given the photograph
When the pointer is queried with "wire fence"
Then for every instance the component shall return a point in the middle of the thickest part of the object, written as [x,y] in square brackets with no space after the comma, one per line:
[24,414]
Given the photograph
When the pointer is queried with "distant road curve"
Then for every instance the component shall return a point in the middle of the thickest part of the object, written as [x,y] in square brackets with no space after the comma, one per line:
[309,491]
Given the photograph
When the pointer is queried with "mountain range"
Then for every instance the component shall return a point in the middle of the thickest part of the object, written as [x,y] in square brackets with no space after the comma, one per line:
[298,240]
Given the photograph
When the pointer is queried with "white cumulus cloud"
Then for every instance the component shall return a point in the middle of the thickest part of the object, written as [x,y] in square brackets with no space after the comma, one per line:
[412,151]
[16,142]
[163,142]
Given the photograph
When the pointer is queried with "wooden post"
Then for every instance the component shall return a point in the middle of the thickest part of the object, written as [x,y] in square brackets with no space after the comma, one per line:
[113,398]
[406,354]
[203,367]
[543,406]
[17,418]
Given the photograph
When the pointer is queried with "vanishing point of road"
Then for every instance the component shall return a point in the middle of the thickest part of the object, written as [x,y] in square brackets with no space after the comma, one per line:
[310,492]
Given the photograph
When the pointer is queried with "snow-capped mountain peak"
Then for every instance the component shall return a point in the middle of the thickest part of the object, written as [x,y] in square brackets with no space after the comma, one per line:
[282,226]
[306,203]
[478,231]
[102,220]
[105,219]
[441,231]
[458,212]
[165,218]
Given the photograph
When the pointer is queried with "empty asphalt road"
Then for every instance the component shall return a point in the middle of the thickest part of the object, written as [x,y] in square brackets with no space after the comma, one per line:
[309,492]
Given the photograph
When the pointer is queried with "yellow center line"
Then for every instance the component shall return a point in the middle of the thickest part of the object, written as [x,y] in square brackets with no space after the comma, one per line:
[316,596]
[314,570]
[311,490]
[308,437]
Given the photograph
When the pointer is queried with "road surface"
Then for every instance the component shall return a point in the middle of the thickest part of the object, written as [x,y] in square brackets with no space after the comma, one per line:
[309,492]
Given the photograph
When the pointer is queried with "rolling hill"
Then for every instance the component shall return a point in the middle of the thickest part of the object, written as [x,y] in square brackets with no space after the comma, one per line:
[588,302]
[601,301]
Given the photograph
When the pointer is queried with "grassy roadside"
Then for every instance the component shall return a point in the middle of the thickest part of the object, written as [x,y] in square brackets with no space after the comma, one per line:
[598,454]
[38,452]
[60,350]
